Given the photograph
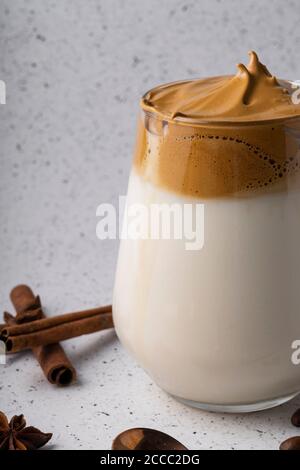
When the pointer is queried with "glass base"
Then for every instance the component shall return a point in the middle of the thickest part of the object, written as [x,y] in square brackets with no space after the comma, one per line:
[242,408]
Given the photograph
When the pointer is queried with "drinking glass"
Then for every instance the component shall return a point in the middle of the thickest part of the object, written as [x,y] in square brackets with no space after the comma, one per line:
[215,326]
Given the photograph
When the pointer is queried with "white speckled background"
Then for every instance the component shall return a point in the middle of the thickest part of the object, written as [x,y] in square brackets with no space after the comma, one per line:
[75,70]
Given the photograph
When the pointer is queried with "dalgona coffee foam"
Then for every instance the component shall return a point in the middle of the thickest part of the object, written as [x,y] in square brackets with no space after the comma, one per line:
[222,135]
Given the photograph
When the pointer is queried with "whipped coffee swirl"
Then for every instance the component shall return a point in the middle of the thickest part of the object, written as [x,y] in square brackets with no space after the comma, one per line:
[221,136]
[253,94]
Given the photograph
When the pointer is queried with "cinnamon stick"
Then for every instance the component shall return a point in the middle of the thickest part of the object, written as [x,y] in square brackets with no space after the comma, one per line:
[52,358]
[28,336]
[51,322]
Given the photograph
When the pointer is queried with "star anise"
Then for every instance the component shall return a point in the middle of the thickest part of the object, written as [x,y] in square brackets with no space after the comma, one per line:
[14,435]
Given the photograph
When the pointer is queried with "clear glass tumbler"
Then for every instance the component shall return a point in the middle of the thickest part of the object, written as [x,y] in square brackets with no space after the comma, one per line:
[215,325]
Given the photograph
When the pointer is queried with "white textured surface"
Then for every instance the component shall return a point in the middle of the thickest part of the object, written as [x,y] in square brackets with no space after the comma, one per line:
[74,71]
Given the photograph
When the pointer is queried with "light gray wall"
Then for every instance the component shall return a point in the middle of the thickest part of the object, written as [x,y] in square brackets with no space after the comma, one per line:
[75,70]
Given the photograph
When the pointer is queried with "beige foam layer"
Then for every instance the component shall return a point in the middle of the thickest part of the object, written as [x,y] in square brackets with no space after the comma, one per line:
[252,95]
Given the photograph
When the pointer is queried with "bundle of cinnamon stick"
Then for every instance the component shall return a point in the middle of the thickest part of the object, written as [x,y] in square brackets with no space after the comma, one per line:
[31,329]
